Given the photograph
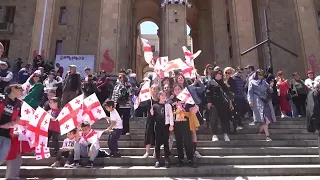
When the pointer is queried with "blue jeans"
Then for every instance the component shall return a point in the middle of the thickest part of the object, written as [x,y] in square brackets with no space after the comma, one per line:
[5,144]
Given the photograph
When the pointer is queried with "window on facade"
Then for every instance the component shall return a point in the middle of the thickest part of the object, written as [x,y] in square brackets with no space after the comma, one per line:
[59,47]
[230,52]
[1,14]
[153,48]
[9,14]
[63,15]
[6,45]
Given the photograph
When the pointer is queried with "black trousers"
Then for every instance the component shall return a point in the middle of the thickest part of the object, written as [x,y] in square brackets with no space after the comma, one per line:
[55,140]
[66,154]
[162,137]
[213,119]
[114,136]
[300,103]
[125,114]
[223,114]
[183,139]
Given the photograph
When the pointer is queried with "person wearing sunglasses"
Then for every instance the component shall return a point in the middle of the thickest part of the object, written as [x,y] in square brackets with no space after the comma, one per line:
[35,94]
[260,100]
[240,96]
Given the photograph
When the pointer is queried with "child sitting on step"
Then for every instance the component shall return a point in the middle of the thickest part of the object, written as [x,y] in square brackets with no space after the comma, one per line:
[115,128]
[66,150]
[163,119]
[86,145]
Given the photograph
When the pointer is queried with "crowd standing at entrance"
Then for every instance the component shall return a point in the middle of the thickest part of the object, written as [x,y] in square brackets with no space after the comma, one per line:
[222,97]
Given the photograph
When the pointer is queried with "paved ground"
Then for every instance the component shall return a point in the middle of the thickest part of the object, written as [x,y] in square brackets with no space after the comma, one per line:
[208,178]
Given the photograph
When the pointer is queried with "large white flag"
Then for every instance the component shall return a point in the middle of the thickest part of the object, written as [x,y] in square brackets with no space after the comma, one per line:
[186,97]
[144,94]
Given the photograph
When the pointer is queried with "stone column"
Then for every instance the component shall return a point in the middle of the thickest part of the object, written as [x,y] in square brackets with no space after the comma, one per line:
[205,37]
[37,28]
[175,30]
[244,32]
[220,33]
[109,32]
[309,32]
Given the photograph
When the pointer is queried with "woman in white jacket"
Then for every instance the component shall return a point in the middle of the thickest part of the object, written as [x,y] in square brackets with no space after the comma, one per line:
[52,82]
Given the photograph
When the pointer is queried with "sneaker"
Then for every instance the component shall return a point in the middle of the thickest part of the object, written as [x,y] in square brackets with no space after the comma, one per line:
[146,155]
[180,163]
[66,165]
[157,164]
[75,165]
[252,124]
[55,164]
[127,134]
[167,163]
[226,138]
[116,155]
[284,116]
[89,165]
[197,154]
[239,128]
[215,138]
[268,138]
[192,164]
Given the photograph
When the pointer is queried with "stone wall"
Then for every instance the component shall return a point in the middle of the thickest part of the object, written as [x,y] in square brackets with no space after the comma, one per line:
[20,40]
[284,31]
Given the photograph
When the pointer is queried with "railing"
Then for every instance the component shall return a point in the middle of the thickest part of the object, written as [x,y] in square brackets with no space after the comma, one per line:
[6,27]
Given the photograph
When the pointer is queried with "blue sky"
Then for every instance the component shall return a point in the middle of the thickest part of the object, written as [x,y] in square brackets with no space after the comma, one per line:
[149,27]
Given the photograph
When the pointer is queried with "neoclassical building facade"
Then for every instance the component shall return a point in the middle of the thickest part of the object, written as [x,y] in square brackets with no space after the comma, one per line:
[109,29]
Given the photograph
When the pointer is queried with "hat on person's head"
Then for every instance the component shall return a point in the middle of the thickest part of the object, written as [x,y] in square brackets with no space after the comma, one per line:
[85,123]
[72,66]
[87,69]
[217,68]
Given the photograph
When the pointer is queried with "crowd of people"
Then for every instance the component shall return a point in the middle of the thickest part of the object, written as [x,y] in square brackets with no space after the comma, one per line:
[223,98]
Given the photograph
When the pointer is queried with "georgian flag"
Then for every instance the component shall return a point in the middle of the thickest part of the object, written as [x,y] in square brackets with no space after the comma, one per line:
[148,54]
[160,65]
[92,110]
[69,115]
[187,71]
[190,56]
[92,137]
[144,94]
[37,130]
[27,114]
[42,152]
[186,97]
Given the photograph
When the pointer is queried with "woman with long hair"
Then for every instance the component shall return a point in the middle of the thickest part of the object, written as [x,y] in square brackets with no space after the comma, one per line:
[284,97]
[260,100]
[194,91]
[35,94]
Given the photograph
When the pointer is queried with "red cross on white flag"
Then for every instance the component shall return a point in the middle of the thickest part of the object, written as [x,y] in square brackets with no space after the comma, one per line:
[37,130]
[148,54]
[42,152]
[92,109]
[160,66]
[144,94]
[186,97]
[190,56]
[68,117]
[92,137]
[27,113]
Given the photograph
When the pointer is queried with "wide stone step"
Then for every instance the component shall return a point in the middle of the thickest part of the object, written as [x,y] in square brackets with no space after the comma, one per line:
[232,137]
[242,131]
[150,171]
[234,143]
[216,160]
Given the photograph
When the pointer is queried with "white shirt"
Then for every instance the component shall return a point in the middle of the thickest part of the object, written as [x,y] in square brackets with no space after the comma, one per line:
[309,83]
[114,116]
[68,143]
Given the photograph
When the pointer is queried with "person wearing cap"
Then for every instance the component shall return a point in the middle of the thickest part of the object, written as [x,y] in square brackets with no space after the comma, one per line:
[5,76]
[10,113]
[310,81]
[71,87]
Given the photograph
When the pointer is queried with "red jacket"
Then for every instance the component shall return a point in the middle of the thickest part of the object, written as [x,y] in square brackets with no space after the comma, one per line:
[15,143]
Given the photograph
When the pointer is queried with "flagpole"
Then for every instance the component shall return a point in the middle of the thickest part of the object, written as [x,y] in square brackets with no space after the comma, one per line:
[43,26]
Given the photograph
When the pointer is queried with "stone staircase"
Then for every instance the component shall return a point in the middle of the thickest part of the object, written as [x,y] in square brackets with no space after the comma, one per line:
[293,152]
